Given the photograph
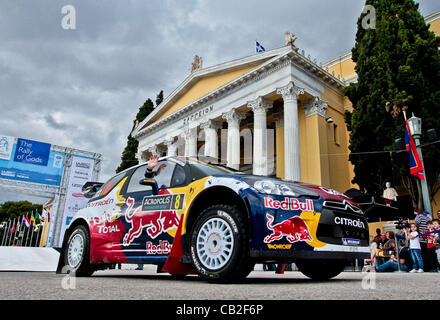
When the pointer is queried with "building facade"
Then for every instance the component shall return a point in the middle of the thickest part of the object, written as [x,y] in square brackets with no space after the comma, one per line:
[277,113]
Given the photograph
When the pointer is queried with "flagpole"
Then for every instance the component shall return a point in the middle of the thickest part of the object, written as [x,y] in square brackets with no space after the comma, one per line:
[4,233]
[19,231]
[10,237]
[37,244]
[13,235]
[27,233]
[424,182]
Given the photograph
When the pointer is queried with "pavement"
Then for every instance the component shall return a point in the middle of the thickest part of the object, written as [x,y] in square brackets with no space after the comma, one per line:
[260,285]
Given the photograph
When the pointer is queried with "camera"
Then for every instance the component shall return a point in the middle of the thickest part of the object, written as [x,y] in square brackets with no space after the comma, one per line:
[400,224]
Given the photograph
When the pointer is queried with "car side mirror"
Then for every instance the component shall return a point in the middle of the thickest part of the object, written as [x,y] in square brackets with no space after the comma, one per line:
[152,183]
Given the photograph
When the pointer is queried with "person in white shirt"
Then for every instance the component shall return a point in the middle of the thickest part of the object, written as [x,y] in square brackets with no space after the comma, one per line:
[414,247]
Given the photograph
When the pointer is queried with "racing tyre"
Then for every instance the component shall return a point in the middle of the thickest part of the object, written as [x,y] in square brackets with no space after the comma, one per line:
[77,252]
[219,245]
[320,269]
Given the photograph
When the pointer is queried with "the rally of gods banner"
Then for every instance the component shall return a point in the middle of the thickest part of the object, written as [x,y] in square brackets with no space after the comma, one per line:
[81,171]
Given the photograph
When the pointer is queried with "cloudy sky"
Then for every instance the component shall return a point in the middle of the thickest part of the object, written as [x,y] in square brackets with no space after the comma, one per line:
[82,88]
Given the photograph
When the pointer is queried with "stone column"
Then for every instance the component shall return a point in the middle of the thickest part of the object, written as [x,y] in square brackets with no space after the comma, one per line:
[317,142]
[260,107]
[292,163]
[190,135]
[233,118]
[171,147]
[211,138]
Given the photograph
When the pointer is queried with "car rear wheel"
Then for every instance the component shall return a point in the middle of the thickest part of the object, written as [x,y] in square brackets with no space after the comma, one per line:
[219,244]
[77,252]
[320,269]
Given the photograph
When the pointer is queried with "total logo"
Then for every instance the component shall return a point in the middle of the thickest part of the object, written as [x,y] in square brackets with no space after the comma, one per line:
[108,229]
[289,204]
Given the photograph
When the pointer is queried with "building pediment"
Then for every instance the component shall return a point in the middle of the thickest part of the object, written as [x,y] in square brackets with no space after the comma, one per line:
[204,85]
[203,81]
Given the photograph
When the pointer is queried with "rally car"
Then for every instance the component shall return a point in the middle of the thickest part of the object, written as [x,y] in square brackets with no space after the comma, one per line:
[191,216]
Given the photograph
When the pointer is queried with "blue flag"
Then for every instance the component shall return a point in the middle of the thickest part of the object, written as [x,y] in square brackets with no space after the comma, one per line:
[259,47]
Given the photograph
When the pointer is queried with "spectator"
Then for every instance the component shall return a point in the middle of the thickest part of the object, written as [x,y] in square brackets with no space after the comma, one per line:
[391,265]
[414,247]
[377,238]
[379,255]
[431,246]
[421,221]
[436,225]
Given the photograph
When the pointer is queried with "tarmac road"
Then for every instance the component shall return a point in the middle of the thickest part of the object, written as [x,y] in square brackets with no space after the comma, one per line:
[260,285]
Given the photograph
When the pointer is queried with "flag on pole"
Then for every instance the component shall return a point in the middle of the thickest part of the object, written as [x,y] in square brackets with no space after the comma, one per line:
[415,164]
[259,47]
[12,228]
[32,219]
[43,215]
[26,222]
[37,216]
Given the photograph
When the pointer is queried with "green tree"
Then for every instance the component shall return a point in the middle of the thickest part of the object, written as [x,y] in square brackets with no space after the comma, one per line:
[398,65]
[129,154]
[13,209]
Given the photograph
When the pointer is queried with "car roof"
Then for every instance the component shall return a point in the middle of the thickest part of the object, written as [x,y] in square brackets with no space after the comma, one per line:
[178,159]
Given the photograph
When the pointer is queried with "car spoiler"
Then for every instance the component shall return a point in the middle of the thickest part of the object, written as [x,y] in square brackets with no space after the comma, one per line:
[90,188]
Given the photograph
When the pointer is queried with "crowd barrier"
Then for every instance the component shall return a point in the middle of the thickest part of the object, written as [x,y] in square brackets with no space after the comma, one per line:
[28,259]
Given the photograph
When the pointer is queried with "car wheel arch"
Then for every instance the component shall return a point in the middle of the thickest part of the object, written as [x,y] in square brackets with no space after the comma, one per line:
[216,195]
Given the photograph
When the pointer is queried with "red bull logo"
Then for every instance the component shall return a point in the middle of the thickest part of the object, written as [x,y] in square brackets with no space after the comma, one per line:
[156,222]
[289,204]
[294,229]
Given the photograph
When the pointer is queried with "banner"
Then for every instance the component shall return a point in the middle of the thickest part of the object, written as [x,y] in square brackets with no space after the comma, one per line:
[81,171]
[30,172]
[6,146]
[32,152]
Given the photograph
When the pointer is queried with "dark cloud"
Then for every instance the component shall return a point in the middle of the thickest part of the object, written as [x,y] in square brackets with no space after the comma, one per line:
[82,88]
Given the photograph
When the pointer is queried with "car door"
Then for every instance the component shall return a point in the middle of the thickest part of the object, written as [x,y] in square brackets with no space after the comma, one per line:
[148,216]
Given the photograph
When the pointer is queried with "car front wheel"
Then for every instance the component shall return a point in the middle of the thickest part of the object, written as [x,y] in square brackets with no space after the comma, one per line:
[219,244]
[77,252]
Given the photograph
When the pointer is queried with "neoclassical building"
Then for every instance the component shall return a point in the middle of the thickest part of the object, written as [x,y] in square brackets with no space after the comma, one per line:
[277,112]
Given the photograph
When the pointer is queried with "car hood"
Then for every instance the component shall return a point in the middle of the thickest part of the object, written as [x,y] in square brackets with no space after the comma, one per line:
[315,190]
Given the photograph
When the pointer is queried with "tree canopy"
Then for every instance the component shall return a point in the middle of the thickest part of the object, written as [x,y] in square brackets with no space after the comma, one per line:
[14,209]
[398,68]
[128,156]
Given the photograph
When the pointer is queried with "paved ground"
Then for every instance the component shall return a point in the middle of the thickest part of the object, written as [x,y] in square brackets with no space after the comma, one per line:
[260,285]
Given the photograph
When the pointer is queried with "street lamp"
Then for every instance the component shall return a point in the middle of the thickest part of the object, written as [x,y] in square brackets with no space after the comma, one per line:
[415,127]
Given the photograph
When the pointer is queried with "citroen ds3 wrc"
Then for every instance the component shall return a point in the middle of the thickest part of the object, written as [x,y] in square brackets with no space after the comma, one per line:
[203,218]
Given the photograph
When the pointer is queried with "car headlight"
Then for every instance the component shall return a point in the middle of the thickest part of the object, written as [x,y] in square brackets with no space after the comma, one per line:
[274,187]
